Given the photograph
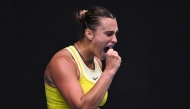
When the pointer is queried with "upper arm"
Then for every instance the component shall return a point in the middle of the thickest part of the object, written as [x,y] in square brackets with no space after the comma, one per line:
[63,72]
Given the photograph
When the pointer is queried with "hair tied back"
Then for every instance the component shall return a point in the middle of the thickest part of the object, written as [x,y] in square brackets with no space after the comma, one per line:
[83,12]
[81,15]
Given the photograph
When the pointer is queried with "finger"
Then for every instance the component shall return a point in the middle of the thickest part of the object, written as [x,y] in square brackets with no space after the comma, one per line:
[115,53]
[110,51]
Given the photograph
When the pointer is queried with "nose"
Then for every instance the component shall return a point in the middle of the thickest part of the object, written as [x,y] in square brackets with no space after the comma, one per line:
[114,39]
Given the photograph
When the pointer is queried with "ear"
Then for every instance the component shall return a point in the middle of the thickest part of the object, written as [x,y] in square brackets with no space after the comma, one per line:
[89,34]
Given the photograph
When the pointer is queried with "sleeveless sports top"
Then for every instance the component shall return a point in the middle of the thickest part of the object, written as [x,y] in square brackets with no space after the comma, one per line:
[87,80]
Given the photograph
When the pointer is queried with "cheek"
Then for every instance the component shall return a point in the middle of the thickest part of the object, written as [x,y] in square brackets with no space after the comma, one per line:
[102,38]
[101,42]
[98,46]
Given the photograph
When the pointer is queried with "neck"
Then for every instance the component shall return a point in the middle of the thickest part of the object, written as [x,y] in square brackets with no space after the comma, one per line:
[84,53]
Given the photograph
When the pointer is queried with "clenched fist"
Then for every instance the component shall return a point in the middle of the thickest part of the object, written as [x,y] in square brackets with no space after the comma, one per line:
[113,61]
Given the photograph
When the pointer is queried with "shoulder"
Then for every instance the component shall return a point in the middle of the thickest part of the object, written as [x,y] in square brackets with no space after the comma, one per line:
[61,65]
[62,58]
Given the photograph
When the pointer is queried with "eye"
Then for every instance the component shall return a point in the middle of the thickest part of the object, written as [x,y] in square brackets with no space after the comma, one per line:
[109,33]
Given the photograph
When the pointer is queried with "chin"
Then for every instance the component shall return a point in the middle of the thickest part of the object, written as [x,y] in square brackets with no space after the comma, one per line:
[103,56]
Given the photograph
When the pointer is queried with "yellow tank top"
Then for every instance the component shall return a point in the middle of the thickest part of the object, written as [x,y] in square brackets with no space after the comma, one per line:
[87,80]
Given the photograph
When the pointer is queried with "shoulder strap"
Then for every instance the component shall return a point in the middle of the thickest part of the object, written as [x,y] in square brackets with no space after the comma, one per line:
[75,56]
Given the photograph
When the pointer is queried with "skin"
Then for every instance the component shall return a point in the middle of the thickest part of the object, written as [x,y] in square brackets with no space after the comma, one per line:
[62,71]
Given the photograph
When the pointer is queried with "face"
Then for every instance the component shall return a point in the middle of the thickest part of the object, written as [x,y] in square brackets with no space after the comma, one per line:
[104,36]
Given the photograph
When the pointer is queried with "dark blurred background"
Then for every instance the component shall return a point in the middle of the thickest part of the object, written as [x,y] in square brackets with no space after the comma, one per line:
[152,41]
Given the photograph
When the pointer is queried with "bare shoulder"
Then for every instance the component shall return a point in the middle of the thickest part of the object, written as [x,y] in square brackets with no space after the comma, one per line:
[60,66]
[63,56]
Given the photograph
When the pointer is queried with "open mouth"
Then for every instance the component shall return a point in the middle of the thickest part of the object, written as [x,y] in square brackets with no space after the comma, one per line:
[106,49]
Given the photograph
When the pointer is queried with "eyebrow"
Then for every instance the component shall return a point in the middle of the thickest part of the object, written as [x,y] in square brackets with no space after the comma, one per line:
[111,31]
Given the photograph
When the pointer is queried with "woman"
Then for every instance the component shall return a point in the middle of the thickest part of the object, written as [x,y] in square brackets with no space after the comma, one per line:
[73,78]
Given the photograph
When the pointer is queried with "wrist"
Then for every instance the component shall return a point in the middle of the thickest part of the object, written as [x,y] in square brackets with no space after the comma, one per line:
[108,73]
